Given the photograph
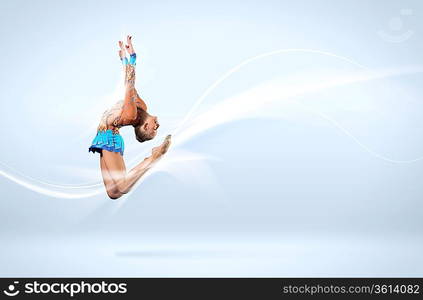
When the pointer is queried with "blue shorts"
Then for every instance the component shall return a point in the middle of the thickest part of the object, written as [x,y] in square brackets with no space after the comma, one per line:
[107,140]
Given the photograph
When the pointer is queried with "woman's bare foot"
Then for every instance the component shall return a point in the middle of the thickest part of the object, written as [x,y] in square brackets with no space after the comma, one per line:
[157,152]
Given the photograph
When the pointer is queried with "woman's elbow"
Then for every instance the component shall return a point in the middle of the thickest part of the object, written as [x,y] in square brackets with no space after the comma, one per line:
[129,118]
[132,119]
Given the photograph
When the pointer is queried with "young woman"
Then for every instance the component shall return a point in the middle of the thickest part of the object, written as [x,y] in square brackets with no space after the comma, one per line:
[132,111]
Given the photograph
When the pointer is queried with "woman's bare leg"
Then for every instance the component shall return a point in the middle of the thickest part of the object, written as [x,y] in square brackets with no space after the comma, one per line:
[111,189]
[115,177]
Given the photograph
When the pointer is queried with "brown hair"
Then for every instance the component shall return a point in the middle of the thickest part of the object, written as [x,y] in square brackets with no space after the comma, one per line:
[140,134]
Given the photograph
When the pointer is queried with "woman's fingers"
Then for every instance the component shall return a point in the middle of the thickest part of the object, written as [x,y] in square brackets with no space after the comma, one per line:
[122,51]
[128,45]
[121,46]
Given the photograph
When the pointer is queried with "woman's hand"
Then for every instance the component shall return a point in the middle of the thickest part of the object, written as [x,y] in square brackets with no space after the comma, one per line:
[122,52]
[129,46]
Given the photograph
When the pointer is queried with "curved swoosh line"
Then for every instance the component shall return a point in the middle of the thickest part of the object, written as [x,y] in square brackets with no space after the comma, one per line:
[348,133]
[54,185]
[246,62]
[238,107]
[195,106]
[49,192]
[60,194]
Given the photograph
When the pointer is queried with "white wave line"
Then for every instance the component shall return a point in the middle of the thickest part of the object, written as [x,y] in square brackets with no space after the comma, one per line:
[238,107]
[246,62]
[54,185]
[98,185]
[49,192]
[356,140]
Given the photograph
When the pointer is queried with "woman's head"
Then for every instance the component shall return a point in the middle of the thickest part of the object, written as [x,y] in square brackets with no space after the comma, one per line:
[147,125]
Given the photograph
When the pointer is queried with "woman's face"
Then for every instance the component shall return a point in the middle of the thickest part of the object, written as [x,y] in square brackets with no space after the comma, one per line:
[149,127]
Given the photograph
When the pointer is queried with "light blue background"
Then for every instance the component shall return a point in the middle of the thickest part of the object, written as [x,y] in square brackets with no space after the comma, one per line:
[316,184]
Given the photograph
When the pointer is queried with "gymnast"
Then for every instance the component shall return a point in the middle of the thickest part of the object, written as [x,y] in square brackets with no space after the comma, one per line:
[132,111]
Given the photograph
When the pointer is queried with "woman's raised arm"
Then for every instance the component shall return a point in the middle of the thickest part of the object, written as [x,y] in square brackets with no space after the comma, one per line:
[129,108]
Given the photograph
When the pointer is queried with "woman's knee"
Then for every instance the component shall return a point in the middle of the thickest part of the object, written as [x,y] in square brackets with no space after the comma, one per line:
[113,195]
[122,188]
